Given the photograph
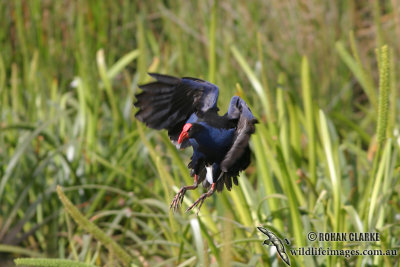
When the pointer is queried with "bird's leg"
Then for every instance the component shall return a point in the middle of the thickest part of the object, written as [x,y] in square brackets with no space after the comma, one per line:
[199,202]
[178,199]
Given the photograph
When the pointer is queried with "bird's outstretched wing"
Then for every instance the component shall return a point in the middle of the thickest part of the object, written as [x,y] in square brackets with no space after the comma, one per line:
[169,102]
[238,154]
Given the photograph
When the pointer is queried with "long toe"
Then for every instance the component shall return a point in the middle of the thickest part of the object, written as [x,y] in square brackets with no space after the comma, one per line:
[202,198]
[199,206]
[175,203]
[200,201]
[178,199]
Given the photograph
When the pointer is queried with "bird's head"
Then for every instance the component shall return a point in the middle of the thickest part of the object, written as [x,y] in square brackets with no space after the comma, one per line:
[189,131]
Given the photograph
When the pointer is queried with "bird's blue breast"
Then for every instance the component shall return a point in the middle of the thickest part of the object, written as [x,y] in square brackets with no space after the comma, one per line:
[213,142]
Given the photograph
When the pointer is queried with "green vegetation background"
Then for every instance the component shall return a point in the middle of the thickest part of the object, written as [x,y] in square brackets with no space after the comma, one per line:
[321,76]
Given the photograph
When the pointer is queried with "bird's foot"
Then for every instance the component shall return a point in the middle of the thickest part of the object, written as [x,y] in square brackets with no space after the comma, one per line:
[199,202]
[178,199]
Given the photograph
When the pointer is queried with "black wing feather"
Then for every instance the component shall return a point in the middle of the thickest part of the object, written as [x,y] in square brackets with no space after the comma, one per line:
[238,156]
[169,102]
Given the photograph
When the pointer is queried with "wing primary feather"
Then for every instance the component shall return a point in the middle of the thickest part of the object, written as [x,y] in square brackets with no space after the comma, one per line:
[169,102]
[238,154]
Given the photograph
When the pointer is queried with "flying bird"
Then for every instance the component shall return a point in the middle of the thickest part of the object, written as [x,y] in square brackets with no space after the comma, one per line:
[187,108]
[274,240]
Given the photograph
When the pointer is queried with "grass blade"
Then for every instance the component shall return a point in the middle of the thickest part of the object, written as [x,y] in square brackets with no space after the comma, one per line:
[93,229]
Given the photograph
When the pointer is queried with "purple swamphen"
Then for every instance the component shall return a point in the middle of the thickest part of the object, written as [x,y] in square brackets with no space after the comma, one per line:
[187,108]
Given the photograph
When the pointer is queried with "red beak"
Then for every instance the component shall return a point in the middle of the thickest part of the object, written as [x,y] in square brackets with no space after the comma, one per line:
[184,134]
